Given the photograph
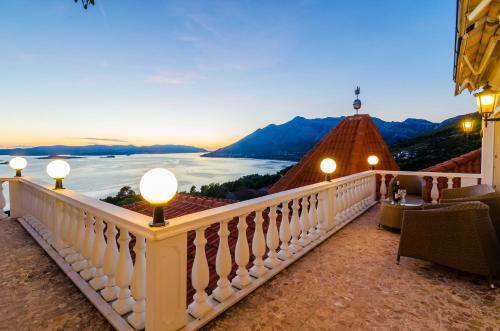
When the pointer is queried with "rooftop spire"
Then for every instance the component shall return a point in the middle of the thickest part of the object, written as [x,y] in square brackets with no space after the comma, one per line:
[357,103]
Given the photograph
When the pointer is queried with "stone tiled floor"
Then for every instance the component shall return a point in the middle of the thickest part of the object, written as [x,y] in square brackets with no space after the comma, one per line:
[350,282]
[35,293]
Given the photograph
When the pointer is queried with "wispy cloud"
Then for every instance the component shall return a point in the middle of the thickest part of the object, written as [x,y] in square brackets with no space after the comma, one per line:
[95,139]
[227,36]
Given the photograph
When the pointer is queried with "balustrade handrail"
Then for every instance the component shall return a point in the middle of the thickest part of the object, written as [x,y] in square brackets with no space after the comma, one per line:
[206,217]
[428,174]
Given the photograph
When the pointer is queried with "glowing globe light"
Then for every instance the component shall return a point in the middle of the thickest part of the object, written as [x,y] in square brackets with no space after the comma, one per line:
[58,169]
[328,166]
[373,161]
[158,186]
[467,125]
[18,164]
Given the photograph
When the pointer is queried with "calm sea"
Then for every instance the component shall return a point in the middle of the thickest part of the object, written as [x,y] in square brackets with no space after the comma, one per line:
[99,177]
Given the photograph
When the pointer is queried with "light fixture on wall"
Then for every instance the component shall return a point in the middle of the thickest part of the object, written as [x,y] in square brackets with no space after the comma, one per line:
[158,186]
[486,103]
[58,170]
[372,161]
[18,164]
[328,167]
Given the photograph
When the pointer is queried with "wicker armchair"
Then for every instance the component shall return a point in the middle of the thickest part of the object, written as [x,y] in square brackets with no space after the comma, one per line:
[464,192]
[459,236]
[412,185]
[490,199]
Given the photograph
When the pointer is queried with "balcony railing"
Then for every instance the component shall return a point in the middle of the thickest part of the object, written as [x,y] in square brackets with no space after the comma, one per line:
[137,276]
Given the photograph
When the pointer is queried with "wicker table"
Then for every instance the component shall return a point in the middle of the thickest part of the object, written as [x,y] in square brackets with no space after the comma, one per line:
[391,215]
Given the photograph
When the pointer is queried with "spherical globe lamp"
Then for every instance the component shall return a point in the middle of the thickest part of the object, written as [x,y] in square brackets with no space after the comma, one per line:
[18,164]
[328,167]
[58,170]
[373,161]
[158,186]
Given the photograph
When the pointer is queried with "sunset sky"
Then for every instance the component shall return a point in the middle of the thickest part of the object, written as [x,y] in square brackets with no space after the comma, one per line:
[207,73]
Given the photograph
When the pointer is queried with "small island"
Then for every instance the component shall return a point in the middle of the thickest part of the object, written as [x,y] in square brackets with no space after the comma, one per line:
[108,157]
[60,157]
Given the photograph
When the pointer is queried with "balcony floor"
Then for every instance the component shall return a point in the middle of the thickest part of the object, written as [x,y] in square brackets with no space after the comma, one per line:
[36,294]
[351,282]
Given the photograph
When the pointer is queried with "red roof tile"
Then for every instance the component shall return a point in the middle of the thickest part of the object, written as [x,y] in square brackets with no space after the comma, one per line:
[466,163]
[349,144]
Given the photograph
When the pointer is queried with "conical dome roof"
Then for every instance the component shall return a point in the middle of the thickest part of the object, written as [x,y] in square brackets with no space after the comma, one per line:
[349,144]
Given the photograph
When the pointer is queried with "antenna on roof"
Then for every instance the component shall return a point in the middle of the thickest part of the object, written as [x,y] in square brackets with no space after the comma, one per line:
[357,103]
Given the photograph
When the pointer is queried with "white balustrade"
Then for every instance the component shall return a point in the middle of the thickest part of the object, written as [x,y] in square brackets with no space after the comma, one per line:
[151,293]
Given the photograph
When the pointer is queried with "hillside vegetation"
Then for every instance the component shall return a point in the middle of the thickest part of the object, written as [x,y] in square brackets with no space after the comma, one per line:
[438,145]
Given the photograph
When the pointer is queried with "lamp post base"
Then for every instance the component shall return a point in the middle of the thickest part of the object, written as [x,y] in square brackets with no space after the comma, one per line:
[59,184]
[18,173]
[158,218]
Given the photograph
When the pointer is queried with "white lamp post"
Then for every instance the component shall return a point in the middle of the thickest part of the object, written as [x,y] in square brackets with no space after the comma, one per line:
[18,164]
[328,167]
[373,161]
[58,170]
[158,186]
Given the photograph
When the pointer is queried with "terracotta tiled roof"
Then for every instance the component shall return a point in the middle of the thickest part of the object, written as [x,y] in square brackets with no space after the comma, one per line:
[466,163]
[349,144]
[182,204]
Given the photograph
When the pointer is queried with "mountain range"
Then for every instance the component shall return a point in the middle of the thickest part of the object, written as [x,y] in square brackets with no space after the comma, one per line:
[291,140]
[101,150]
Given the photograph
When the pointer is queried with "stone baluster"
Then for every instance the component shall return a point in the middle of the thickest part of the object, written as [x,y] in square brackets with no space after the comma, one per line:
[242,255]
[125,302]
[285,233]
[383,187]
[110,292]
[56,234]
[2,203]
[100,279]
[272,240]
[258,246]
[313,219]
[46,234]
[79,262]
[73,257]
[295,227]
[434,190]
[138,285]
[304,223]
[200,277]
[70,225]
[88,271]
[322,214]
[339,204]
[450,182]
[64,227]
[223,265]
